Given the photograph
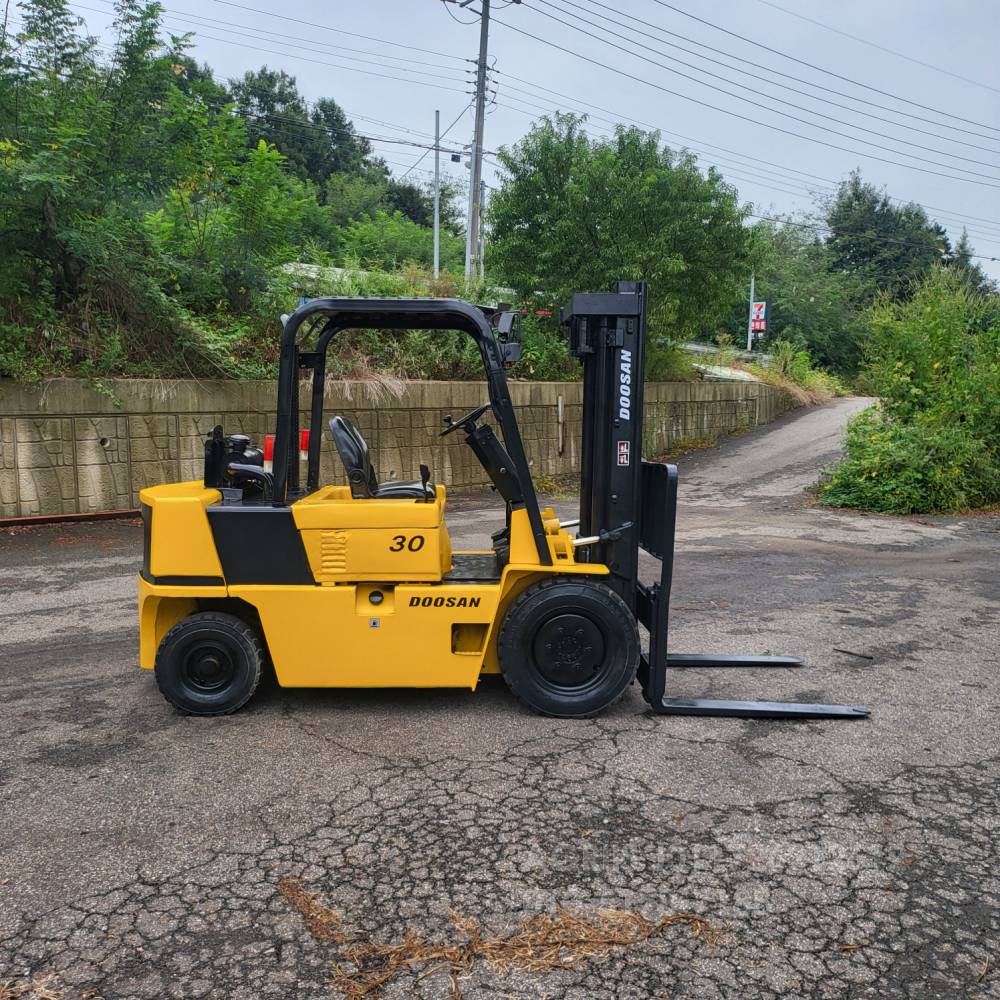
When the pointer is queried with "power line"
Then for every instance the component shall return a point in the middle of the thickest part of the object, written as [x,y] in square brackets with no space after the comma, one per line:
[880,48]
[756,178]
[341,31]
[857,233]
[747,176]
[963,216]
[774,71]
[385,124]
[773,110]
[741,61]
[455,17]
[310,125]
[747,214]
[824,182]
[423,155]
[173,11]
[735,114]
[845,232]
[820,69]
[320,62]
[727,172]
[388,139]
[306,123]
[196,20]
[745,71]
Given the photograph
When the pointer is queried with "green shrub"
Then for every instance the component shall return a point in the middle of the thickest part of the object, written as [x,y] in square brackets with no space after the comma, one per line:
[933,444]
[911,468]
[667,361]
[545,352]
[389,240]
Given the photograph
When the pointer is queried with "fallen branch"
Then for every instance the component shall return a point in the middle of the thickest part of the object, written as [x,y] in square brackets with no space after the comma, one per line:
[848,652]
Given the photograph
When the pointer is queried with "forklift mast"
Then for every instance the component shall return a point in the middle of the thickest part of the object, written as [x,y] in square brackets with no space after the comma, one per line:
[627,504]
[607,332]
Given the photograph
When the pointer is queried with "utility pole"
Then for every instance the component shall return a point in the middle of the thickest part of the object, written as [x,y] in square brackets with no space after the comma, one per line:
[750,316]
[481,246]
[476,173]
[437,194]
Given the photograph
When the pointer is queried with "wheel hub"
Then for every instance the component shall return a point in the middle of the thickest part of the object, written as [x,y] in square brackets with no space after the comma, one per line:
[208,667]
[569,650]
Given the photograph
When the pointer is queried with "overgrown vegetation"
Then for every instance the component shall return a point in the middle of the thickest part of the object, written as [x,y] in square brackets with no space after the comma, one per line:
[821,273]
[787,366]
[147,209]
[933,441]
[791,368]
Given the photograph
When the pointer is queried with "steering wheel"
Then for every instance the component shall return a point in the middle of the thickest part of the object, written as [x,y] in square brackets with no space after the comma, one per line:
[469,418]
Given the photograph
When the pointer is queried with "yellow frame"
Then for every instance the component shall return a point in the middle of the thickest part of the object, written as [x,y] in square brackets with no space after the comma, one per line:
[424,632]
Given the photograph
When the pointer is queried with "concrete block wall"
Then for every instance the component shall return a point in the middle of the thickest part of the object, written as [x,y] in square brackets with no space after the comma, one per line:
[67,448]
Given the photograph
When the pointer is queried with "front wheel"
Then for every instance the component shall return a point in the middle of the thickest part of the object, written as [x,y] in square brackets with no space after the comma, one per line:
[209,664]
[568,647]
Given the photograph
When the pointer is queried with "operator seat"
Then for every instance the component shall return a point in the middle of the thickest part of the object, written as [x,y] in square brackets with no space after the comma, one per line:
[353,451]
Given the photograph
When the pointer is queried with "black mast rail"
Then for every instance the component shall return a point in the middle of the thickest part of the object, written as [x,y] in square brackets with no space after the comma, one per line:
[631,503]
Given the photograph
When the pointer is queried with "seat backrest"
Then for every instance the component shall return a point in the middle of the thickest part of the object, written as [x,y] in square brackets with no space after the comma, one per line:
[353,451]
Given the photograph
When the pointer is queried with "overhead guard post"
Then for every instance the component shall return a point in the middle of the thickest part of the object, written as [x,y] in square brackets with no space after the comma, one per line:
[396,314]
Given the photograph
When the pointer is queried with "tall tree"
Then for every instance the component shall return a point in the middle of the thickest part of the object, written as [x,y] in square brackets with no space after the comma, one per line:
[315,141]
[887,247]
[964,263]
[575,212]
[808,302]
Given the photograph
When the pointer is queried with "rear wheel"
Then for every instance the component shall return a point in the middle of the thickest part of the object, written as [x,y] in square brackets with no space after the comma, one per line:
[209,664]
[568,647]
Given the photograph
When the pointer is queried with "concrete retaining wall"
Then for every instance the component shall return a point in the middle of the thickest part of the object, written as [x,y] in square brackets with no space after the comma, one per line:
[66,447]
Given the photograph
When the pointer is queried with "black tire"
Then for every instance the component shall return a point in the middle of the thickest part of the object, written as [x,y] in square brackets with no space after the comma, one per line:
[568,647]
[209,664]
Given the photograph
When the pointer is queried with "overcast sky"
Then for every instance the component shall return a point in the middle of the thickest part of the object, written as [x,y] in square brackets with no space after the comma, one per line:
[312,40]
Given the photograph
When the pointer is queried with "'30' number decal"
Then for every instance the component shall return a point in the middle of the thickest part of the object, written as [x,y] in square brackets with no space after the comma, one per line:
[412,544]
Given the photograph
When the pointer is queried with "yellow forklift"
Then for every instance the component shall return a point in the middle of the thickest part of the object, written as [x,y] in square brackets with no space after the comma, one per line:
[358,585]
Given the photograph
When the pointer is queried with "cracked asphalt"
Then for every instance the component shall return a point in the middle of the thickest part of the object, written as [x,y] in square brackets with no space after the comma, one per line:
[140,851]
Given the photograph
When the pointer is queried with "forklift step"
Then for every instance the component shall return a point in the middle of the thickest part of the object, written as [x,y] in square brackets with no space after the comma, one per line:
[708,660]
[469,567]
[757,709]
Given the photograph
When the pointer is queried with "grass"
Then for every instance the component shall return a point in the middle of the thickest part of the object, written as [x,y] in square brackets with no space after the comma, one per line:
[790,369]
[816,393]
[542,943]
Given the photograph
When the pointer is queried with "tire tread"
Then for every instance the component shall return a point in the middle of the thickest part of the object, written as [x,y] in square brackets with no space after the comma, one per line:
[511,629]
[245,632]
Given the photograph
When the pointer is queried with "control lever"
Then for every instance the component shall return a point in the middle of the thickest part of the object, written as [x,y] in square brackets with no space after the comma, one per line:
[425,478]
[604,536]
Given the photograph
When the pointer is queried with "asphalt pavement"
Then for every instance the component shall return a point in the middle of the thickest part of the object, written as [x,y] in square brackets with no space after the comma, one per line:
[144,854]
